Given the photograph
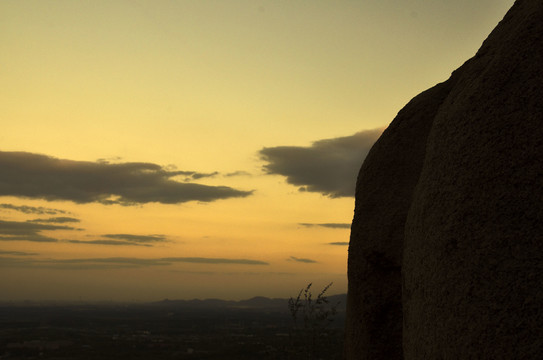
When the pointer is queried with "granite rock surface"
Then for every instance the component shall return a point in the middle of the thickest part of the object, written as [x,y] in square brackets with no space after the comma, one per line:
[446,250]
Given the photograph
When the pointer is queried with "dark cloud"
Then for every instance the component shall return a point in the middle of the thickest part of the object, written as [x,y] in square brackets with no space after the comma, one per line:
[107,242]
[117,262]
[200,260]
[17,253]
[328,225]
[190,175]
[109,160]
[43,177]
[82,264]
[56,220]
[124,239]
[197,176]
[329,166]
[136,238]
[13,261]
[302,260]
[27,231]
[237,273]
[33,210]
[238,173]
[339,243]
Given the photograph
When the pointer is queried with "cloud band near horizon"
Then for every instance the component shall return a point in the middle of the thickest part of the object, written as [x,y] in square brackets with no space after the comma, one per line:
[118,262]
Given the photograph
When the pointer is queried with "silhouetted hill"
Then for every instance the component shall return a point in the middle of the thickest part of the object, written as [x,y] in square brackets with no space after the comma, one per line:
[256,303]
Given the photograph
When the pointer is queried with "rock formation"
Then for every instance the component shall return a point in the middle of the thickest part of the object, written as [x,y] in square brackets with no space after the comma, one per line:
[446,251]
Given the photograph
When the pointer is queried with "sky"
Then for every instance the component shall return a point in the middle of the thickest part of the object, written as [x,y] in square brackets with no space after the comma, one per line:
[202,149]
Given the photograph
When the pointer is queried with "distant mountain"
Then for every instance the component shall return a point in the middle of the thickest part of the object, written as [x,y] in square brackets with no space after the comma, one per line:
[256,303]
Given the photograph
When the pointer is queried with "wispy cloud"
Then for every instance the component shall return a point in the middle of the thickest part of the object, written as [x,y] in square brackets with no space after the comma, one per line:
[28,231]
[328,225]
[107,242]
[329,166]
[31,231]
[137,238]
[81,264]
[17,253]
[200,260]
[42,177]
[118,262]
[238,173]
[302,260]
[236,273]
[114,159]
[124,239]
[339,243]
[56,220]
[33,210]
[192,175]
[196,176]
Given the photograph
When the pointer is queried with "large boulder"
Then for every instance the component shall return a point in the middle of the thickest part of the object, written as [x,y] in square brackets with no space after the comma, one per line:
[374,318]
[446,251]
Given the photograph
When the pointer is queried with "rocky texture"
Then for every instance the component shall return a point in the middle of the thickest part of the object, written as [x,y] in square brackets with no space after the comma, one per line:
[375,253]
[449,202]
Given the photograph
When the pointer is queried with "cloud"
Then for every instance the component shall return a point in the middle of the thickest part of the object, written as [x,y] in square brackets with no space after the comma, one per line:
[329,166]
[107,242]
[112,260]
[110,160]
[56,220]
[339,243]
[238,173]
[328,225]
[33,210]
[302,260]
[200,260]
[42,177]
[82,264]
[190,175]
[196,176]
[17,253]
[124,239]
[237,273]
[117,262]
[136,238]
[27,231]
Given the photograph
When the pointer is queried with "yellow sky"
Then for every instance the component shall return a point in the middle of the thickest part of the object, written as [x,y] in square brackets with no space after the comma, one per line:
[237,92]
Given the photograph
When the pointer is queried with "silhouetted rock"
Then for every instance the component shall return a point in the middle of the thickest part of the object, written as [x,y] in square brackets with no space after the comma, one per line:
[449,202]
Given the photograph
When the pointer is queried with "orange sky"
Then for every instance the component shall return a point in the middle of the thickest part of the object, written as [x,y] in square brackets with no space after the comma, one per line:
[182,149]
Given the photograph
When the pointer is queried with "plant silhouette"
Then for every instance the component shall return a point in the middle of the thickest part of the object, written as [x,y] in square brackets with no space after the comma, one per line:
[311,318]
